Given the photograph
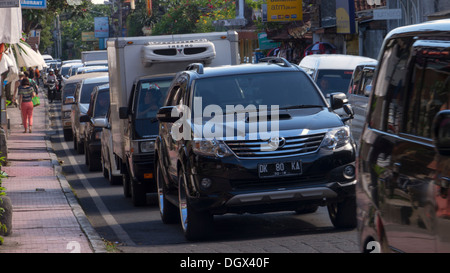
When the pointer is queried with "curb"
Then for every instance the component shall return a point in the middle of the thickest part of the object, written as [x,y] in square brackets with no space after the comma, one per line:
[97,244]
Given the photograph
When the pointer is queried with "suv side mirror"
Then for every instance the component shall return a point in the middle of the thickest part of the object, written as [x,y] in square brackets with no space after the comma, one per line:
[367,90]
[337,100]
[123,112]
[100,122]
[441,132]
[165,114]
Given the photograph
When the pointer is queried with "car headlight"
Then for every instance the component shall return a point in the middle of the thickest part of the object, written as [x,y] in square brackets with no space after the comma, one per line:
[336,138]
[213,147]
[147,146]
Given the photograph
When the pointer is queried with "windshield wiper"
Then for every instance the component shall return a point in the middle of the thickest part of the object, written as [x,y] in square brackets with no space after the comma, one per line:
[302,106]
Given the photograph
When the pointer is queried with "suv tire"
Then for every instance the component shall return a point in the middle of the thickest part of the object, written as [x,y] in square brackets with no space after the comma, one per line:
[169,212]
[343,213]
[197,225]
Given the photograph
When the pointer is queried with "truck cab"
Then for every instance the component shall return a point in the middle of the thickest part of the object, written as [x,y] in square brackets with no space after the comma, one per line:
[147,96]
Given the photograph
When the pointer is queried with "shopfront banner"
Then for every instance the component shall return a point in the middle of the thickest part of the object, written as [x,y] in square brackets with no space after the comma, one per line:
[284,10]
[345,17]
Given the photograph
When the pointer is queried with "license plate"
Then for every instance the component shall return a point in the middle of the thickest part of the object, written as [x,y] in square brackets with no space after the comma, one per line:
[280,169]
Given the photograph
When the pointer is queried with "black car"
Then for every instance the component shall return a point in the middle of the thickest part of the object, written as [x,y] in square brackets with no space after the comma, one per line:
[403,188]
[95,120]
[211,161]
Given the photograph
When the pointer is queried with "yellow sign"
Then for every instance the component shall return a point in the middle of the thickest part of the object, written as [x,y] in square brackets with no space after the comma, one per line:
[88,37]
[284,10]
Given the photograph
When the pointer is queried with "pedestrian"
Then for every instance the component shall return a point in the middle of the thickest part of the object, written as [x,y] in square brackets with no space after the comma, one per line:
[16,87]
[26,94]
[32,78]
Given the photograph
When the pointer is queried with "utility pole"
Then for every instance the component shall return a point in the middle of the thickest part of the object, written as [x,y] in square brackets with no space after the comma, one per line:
[120,18]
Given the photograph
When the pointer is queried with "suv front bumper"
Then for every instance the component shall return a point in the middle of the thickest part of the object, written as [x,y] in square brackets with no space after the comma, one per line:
[235,185]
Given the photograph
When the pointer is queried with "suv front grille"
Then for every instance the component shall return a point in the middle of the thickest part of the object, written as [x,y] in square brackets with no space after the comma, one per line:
[296,145]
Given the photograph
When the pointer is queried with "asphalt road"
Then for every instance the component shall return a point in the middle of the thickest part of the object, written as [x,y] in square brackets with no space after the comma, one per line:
[132,229]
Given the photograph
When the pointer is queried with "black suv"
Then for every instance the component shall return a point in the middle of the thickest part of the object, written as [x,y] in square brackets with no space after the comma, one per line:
[211,160]
[403,188]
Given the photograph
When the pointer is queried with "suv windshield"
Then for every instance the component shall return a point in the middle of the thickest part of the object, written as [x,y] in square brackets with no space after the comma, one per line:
[87,90]
[284,89]
[101,104]
[330,81]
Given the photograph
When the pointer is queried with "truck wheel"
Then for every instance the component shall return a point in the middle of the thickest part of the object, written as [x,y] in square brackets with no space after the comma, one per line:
[113,179]
[343,214]
[80,147]
[169,212]
[74,138]
[197,225]
[126,185]
[86,157]
[105,171]
[138,193]
[67,134]
[94,163]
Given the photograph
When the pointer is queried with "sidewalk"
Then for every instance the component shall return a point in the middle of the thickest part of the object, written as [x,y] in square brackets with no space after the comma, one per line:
[46,215]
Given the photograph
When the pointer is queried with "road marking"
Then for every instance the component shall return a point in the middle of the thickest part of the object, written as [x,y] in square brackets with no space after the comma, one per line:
[121,234]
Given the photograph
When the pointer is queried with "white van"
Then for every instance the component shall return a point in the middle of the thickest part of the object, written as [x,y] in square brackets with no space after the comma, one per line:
[332,72]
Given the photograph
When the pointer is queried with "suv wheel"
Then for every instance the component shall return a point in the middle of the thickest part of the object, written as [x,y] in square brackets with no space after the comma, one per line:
[168,211]
[196,224]
[343,214]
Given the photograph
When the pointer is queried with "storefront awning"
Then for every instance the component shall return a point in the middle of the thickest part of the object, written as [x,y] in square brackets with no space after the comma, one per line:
[11,25]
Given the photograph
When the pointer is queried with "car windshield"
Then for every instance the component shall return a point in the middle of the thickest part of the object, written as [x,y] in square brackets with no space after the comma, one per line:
[87,90]
[282,89]
[101,104]
[330,81]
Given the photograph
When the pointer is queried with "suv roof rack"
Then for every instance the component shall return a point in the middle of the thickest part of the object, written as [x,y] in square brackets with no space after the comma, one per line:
[196,66]
[276,60]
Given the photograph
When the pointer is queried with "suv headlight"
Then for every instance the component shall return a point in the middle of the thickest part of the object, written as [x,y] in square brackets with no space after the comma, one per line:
[336,138]
[213,147]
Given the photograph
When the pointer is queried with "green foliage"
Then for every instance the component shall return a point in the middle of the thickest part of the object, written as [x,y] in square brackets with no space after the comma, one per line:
[193,16]
[2,193]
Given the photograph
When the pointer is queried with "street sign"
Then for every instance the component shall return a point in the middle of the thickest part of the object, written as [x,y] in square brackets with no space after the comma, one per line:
[101,27]
[387,14]
[9,4]
[33,4]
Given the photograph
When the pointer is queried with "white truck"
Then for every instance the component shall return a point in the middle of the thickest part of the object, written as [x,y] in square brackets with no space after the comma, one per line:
[94,55]
[129,60]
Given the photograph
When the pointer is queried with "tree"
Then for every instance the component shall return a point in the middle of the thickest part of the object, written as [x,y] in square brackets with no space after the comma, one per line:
[32,18]
[193,16]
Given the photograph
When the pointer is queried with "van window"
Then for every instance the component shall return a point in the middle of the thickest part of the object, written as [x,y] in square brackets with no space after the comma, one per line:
[389,90]
[429,94]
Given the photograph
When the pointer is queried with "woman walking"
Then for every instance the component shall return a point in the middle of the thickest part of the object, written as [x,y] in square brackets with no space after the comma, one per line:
[26,94]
